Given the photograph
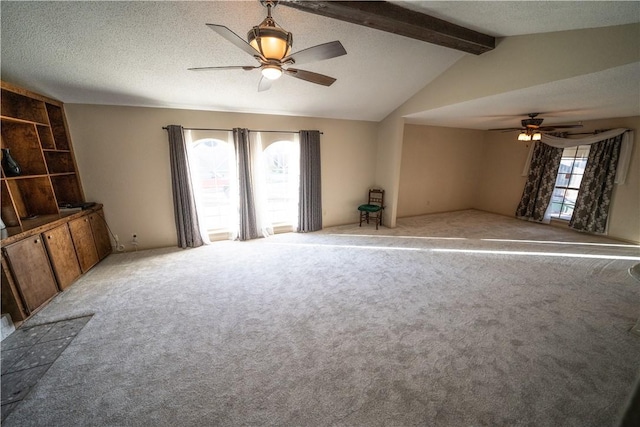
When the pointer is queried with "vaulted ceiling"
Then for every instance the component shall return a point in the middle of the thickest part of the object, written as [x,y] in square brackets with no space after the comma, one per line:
[137,53]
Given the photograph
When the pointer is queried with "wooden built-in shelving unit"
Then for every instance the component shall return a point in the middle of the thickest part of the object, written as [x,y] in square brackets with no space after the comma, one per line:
[45,248]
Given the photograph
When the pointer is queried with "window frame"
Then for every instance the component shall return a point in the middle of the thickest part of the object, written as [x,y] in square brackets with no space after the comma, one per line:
[580,152]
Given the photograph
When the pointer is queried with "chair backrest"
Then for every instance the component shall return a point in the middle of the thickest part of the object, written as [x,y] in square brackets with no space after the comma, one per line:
[376,197]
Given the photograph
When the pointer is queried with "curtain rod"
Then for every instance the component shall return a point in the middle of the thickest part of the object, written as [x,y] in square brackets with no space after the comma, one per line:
[595,132]
[250,130]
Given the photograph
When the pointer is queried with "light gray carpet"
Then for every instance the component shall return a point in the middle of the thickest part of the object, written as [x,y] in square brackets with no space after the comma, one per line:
[426,324]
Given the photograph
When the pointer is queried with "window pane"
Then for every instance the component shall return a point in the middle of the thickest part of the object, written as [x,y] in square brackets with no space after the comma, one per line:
[563,179]
[556,201]
[575,181]
[579,165]
[583,152]
[566,165]
[570,198]
[213,174]
[569,204]
[281,162]
[569,152]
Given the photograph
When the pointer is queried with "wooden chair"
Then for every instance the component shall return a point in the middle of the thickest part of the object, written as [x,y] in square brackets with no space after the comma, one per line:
[374,208]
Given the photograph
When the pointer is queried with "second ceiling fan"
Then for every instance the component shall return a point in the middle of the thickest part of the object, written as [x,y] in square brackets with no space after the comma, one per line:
[532,128]
[270,45]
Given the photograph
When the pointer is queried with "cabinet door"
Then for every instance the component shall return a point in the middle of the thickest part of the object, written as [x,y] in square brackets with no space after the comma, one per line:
[83,241]
[62,254]
[31,271]
[100,234]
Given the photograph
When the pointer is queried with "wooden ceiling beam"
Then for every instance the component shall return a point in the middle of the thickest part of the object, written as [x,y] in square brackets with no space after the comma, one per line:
[391,18]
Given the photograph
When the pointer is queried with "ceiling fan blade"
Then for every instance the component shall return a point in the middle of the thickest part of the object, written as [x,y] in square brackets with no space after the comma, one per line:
[309,76]
[235,39]
[507,129]
[264,84]
[550,128]
[230,67]
[317,53]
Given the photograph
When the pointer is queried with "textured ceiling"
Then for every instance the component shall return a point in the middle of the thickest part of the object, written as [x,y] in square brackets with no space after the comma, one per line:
[137,53]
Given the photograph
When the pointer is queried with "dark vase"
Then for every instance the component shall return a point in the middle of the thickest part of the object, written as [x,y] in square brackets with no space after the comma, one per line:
[9,165]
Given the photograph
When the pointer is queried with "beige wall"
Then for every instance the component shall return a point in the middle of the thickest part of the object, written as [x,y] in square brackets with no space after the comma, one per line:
[389,153]
[123,159]
[500,185]
[501,182]
[440,169]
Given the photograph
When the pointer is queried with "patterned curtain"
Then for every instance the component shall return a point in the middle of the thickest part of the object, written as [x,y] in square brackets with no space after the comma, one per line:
[594,198]
[536,196]
[187,226]
[248,227]
[310,201]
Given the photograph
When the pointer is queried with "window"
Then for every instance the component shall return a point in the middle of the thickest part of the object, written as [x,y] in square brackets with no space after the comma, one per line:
[213,175]
[281,162]
[570,172]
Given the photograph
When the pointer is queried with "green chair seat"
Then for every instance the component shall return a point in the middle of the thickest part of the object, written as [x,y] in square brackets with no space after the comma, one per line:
[369,208]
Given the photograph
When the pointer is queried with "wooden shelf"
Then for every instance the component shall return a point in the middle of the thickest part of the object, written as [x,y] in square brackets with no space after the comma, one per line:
[59,162]
[58,126]
[24,145]
[13,119]
[46,137]
[34,130]
[23,107]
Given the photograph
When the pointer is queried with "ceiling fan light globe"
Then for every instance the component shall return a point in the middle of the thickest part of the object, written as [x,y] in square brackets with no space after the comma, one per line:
[272,72]
[536,136]
[272,42]
[524,137]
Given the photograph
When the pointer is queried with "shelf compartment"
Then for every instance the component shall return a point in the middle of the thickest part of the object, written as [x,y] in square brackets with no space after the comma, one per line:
[46,137]
[32,196]
[9,215]
[67,188]
[22,140]
[22,107]
[58,128]
[59,162]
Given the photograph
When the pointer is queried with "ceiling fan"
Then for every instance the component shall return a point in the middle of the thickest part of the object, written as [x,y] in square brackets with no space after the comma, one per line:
[270,45]
[532,128]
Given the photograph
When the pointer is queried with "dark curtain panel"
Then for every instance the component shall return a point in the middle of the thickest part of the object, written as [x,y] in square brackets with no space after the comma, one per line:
[545,162]
[594,198]
[310,201]
[248,228]
[187,225]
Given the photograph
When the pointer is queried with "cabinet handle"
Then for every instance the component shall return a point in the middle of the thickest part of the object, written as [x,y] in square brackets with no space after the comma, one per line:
[36,241]
[49,237]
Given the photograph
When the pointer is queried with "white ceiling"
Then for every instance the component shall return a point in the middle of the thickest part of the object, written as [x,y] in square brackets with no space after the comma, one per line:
[137,53]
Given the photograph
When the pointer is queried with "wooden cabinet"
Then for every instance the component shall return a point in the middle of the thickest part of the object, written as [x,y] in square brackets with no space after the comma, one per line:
[91,239]
[62,254]
[34,131]
[100,233]
[83,241]
[32,273]
[38,263]
[45,246]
